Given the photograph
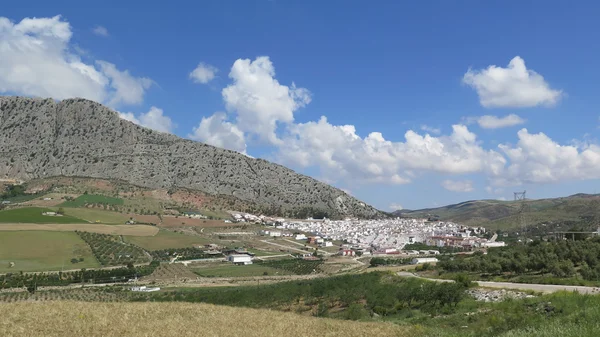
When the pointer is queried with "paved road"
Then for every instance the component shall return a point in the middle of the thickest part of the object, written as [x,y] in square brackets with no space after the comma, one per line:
[546,288]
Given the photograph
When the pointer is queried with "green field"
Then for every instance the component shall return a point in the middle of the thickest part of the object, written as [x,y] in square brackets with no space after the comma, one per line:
[42,250]
[165,240]
[96,215]
[82,200]
[34,215]
[230,270]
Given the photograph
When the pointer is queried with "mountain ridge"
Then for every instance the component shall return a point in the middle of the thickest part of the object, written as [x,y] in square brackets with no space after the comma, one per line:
[41,138]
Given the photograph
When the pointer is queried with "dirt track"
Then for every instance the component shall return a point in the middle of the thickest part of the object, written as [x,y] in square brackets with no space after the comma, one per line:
[135,230]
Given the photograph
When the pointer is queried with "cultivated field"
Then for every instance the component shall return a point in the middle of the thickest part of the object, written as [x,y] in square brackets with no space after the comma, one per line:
[58,319]
[93,215]
[230,270]
[135,230]
[92,199]
[34,215]
[42,250]
[165,239]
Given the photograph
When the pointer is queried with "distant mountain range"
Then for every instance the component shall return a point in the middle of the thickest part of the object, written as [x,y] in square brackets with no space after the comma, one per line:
[578,209]
[41,138]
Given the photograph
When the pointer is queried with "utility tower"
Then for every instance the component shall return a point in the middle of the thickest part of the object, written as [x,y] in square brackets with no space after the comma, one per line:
[523,208]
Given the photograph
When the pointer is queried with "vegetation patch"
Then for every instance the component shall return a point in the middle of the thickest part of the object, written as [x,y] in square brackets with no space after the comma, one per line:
[230,270]
[295,266]
[41,250]
[111,250]
[92,199]
[189,253]
[34,215]
[559,262]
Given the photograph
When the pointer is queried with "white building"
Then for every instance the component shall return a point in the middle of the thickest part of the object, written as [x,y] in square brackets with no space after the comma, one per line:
[493,244]
[275,233]
[145,289]
[240,259]
[300,237]
[421,260]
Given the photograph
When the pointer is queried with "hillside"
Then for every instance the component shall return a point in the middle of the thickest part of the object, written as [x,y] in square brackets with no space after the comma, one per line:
[173,319]
[576,210]
[41,138]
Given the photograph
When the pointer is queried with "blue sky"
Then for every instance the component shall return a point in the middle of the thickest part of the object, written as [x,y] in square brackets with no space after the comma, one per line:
[381,69]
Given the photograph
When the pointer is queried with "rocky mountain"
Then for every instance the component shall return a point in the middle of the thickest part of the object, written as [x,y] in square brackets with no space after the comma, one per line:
[41,138]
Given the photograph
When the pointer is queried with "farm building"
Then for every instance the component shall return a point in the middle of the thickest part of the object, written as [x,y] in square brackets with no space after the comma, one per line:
[347,252]
[242,259]
[421,260]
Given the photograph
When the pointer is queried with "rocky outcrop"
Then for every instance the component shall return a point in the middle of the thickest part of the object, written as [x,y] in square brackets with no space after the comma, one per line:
[41,138]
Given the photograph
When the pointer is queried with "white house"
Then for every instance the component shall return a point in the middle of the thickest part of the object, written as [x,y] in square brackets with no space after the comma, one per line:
[300,237]
[240,259]
[275,233]
[421,260]
[326,244]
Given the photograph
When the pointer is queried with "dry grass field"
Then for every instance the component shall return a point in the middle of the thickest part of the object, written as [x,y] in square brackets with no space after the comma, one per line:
[41,250]
[135,230]
[172,221]
[165,239]
[60,319]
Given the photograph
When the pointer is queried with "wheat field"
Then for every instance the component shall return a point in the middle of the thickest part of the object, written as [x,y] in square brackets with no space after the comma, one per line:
[66,318]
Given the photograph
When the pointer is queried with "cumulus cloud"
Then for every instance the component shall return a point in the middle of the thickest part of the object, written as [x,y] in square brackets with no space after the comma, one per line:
[512,87]
[153,119]
[217,131]
[341,154]
[100,31]
[395,207]
[538,159]
[494,122]
[203,73]
[259,101]
[36,59]
[435,131]
[127,89]
[458,185]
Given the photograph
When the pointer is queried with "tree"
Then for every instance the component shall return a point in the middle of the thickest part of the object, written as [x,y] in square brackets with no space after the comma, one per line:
[61,211]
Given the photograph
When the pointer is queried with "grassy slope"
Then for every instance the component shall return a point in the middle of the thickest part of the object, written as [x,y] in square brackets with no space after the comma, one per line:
[166,239]
[498,214]
[173,319]
[93,215]
[41,250]
[34,215]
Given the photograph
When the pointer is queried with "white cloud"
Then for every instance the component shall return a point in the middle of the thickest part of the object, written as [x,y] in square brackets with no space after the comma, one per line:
[458,185]
[36,59]
[259,100]
[203,73]
[127,89]
[395,207]
[341,154]
[511,87]
[153,119]
[538,159]
[435,131]
[100,31]
[216,131]
[494,122]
